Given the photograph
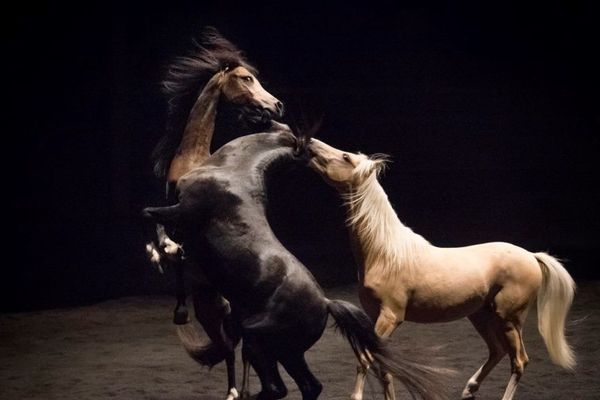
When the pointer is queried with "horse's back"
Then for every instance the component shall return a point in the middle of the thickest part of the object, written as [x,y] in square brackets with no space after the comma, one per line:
[463,279]
[510,269]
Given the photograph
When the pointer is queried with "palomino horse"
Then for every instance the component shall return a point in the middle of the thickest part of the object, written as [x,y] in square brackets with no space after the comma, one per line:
[403,277]
[280,309]
[233,99]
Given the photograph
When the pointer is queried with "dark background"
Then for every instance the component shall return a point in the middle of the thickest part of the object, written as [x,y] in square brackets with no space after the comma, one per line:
[489,112]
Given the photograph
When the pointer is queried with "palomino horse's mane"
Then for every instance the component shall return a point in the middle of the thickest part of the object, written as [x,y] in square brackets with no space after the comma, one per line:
[183,82]
[385,239]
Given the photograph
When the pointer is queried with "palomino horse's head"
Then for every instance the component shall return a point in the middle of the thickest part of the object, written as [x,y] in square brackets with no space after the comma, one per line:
[239,86]
[341,169]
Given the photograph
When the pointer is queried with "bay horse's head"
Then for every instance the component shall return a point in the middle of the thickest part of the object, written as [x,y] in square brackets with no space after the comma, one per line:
[342,169]
[240,86]
[214,73]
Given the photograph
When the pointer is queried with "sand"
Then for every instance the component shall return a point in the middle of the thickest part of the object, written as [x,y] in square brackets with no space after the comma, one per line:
[127,348]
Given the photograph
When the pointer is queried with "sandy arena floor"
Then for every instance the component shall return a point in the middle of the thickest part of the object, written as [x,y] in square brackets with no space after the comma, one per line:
[128,349]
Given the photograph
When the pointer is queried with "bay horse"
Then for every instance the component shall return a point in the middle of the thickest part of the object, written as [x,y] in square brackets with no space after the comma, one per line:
[212,90]
[281,311]
[403,277]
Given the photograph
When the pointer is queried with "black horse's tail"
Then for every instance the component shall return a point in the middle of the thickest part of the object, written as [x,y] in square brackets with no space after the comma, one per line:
[422,382]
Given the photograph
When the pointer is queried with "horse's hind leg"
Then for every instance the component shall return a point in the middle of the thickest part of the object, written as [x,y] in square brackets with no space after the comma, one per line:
[232,394]
[245,375]
[487,325]
[265,365]
[309,386]
[214,314]
[513,335]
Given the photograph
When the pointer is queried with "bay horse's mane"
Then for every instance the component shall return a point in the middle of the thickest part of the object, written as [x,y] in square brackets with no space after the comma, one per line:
[184,80]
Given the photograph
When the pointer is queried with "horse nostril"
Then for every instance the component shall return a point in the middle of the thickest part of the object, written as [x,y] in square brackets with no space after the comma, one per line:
[279,107]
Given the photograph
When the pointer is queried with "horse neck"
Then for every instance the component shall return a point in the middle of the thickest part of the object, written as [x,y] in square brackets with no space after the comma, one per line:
[264,164]
[379,238]
[194,147]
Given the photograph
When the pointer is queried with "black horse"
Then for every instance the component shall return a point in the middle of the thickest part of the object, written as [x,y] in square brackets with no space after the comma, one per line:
[279,308]
[213,96]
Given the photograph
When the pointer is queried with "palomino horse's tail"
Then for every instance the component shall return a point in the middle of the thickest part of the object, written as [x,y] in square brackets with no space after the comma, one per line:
[423,382]
[554,300]
[205,353]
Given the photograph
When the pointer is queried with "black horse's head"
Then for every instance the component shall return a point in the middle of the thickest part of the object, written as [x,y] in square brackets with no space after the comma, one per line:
[303,135]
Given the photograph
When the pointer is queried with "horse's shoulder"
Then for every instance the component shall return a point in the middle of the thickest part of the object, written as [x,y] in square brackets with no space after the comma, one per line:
[203,182]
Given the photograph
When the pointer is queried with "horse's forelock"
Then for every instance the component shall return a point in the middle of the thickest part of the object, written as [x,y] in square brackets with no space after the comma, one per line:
[225,53]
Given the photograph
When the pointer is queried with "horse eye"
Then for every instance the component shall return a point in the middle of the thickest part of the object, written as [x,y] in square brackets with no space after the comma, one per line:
[247,79]
[346,157]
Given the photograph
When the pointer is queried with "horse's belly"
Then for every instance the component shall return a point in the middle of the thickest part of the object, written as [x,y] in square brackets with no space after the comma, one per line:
[443,307]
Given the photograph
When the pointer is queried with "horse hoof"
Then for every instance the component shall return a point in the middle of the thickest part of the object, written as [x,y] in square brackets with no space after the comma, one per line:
[180,317]
[233,394]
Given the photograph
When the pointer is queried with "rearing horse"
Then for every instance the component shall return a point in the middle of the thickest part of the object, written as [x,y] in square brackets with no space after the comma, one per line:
[232,98]
[277,304]
[403,277]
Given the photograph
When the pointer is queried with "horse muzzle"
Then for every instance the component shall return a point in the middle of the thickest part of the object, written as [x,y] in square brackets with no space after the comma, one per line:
[274,112]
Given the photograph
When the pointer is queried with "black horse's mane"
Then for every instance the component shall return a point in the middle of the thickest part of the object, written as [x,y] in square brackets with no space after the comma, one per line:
[184,80]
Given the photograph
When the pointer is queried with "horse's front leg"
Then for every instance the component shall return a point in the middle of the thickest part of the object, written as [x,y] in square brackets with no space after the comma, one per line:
[386,323]
[167,245]
[361,376]
[162,250]
[371,304]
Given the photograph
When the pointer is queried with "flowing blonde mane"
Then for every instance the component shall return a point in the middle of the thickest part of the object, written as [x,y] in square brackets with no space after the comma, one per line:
[385,241]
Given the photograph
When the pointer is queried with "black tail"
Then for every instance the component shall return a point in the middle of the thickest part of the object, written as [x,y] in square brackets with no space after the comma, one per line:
[421,381]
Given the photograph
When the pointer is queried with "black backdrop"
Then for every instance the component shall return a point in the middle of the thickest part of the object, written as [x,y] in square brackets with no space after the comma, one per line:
[489,112]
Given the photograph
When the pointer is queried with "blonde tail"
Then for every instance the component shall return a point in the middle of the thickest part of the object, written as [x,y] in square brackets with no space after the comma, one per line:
[554,300]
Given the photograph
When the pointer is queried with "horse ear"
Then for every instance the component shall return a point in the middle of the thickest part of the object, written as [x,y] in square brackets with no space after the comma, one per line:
[380,161]
[315,127]
[304,132]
